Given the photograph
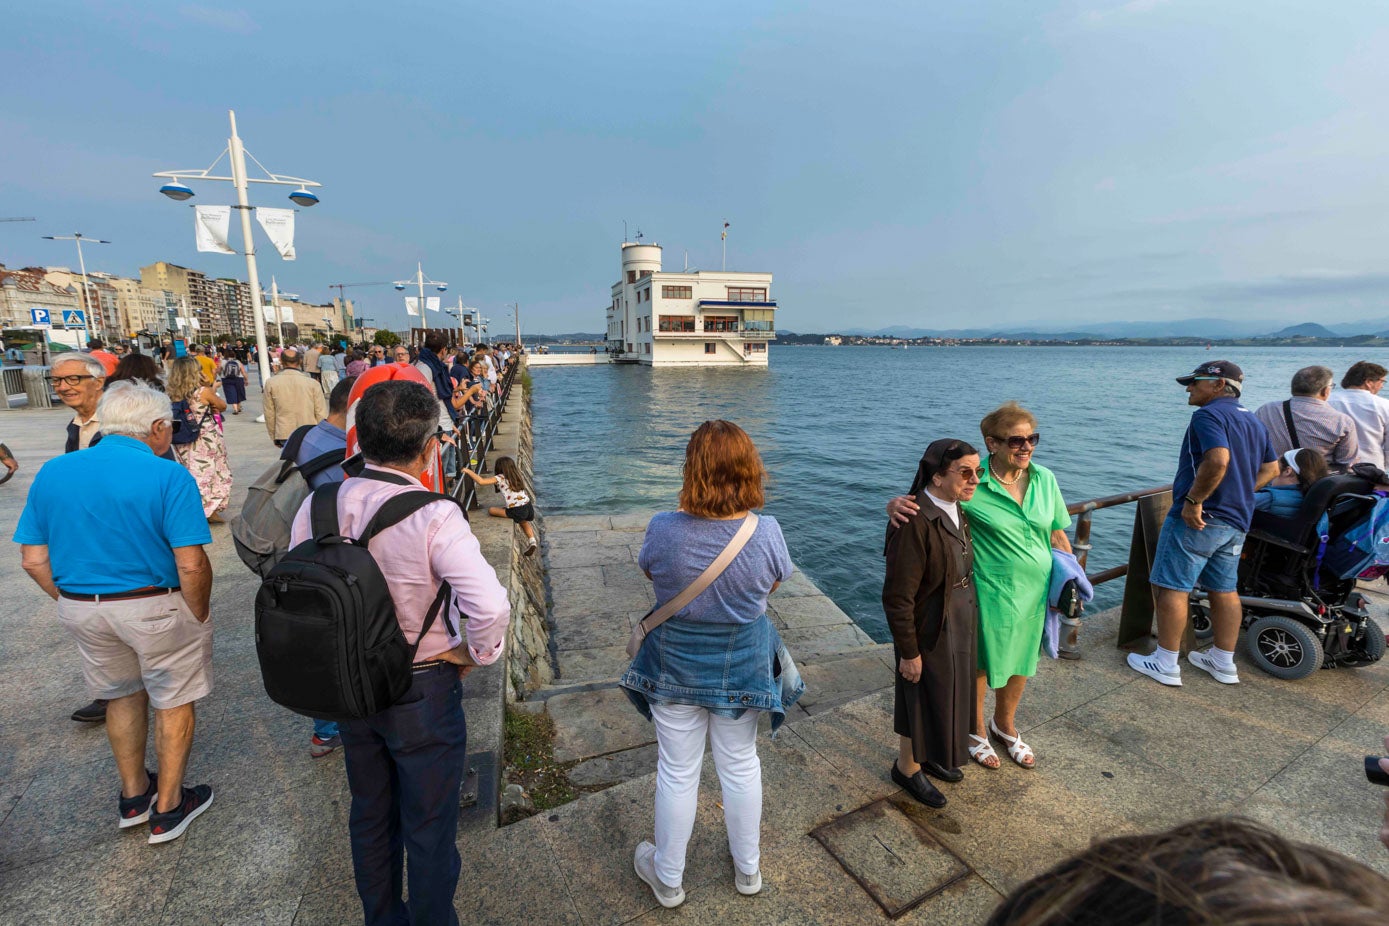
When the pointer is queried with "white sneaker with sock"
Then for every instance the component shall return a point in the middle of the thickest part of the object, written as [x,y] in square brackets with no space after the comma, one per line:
[1153,668]
[1211,662]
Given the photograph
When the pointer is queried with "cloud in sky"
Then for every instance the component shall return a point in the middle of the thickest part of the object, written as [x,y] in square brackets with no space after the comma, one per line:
[900,162]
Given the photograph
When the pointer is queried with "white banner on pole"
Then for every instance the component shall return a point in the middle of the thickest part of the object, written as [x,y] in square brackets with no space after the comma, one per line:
[279,227]
[412,305]
[432,303]
[269,312]
[211,226]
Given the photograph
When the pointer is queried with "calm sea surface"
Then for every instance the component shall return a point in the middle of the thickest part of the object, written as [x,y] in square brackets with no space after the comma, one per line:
[841,430]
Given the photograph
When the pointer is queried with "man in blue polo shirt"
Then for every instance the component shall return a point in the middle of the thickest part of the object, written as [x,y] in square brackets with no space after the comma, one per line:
[1226,456]
[138,609]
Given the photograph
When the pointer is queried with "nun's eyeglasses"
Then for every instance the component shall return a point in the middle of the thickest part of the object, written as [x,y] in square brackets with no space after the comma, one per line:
[970,475]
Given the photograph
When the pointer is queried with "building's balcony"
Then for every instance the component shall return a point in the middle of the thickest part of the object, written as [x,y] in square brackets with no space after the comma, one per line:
[726,304]
[744,335]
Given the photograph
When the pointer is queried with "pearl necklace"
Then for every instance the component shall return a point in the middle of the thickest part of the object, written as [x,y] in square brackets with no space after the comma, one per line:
[994,473]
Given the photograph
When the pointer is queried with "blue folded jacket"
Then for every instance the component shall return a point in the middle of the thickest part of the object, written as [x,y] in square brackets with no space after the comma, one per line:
[1064,568]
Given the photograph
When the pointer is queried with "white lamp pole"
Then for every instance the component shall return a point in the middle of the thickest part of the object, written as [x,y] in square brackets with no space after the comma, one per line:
[275,304]
[177,190]
[516,307]
[419,281]
[82,264]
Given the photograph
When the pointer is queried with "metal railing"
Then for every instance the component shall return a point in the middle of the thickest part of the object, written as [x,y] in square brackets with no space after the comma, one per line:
[1085,510]
[479,445]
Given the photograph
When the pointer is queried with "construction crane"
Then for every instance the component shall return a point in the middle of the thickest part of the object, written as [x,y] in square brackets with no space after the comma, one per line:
[342,296]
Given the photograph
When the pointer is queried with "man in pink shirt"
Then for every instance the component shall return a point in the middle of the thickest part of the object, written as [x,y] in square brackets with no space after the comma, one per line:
[405,765]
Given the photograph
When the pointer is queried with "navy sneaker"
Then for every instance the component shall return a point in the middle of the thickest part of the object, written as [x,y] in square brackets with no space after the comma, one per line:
[136,810]
[91,713]
[167,826]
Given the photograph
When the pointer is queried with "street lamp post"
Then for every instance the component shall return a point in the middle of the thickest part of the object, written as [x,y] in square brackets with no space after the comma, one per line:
[516,307]
[420,280]
[82,265]
[177,190]
[279,312]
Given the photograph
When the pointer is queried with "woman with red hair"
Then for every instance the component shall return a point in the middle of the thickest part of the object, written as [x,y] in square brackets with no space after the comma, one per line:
[715,666]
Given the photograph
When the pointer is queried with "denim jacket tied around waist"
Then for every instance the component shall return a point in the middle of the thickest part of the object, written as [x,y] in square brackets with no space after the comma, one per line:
[726,668]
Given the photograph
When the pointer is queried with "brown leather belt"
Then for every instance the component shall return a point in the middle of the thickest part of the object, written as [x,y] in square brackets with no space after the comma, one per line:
[149,591]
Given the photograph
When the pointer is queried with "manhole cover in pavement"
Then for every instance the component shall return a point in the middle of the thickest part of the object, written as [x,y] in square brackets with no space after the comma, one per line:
[897,862]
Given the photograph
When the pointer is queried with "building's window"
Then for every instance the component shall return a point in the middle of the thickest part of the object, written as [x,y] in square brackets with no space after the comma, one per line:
[721,323]
[755,347]
[646,348]
[747,294]
[631,276]
[757,319]
[677,323]
[629,347]
[710,347]
[677,292]
[643,274]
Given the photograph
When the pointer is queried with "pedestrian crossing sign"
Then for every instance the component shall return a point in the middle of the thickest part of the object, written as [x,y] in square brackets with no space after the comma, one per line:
[74,318]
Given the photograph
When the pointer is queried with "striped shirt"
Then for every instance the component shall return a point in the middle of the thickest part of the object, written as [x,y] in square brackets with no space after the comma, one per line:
[1319,427]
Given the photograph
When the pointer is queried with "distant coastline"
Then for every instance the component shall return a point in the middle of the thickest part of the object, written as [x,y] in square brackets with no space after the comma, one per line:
[802,340]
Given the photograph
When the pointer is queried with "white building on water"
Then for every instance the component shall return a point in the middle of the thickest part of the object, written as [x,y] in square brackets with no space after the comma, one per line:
[694,318]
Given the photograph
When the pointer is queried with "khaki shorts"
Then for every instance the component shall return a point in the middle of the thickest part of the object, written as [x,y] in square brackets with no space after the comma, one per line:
[151,643]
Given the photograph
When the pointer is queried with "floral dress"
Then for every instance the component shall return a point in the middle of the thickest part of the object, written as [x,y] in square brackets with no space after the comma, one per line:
[206,459]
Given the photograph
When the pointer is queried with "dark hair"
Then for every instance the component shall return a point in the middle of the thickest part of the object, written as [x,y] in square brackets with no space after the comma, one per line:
[395,420]
[1361,373]
[1311,467]
[1311,380]
[136,366]
[507,468]
[436,340]
[95,344]
[1216,871]
[723,472]
[337,399]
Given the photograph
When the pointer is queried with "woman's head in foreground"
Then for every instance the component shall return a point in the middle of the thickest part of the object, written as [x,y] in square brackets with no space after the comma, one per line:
[723,472]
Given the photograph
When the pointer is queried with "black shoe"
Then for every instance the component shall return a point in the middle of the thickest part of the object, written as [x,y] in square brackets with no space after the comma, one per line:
[943,773]
[136,810]
[167,826]
[918,787]
[92,713]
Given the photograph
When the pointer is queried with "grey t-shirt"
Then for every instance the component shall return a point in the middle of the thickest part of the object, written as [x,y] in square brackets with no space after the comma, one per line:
[678,547]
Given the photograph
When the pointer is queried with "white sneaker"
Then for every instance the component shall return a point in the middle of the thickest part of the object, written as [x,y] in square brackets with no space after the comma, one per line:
[644,862]
[1206,661]
[747,885]
[1148,665]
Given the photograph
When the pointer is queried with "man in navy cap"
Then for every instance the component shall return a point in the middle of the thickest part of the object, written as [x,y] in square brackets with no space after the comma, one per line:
[1226,456]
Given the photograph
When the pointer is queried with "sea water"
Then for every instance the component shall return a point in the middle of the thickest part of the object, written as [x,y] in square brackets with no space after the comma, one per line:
[841,430]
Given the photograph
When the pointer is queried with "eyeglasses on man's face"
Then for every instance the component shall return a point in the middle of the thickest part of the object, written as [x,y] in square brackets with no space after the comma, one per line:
[73,380]
[1017,441]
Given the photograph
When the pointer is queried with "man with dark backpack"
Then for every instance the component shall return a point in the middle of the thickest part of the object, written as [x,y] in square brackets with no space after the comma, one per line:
[405,745]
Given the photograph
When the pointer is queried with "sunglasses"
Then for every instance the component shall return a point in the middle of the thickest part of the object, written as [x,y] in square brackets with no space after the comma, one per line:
[1017,443]
[970,475]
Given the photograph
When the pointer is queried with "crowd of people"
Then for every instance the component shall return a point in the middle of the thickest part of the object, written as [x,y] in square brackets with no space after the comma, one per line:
[975,553]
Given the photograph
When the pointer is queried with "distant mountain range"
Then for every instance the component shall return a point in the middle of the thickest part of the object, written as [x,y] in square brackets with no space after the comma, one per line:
[1178,328]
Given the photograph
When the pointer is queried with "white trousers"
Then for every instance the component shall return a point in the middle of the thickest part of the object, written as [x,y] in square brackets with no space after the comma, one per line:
[680,733]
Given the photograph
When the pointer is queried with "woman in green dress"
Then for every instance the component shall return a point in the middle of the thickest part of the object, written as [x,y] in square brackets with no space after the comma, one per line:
[1018,516]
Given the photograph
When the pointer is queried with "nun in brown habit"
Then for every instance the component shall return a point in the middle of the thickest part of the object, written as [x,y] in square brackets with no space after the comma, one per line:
[928,596]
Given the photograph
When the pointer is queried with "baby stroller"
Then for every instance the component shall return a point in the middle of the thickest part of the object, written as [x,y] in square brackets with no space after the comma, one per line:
[1300,615]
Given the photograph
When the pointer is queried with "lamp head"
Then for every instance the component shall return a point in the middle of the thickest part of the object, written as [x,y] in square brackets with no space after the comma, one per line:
[400,286]
[302,197]
[177,191]
[442,287]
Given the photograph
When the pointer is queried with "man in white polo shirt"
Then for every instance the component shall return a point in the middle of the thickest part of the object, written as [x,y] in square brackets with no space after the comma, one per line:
[1359,398]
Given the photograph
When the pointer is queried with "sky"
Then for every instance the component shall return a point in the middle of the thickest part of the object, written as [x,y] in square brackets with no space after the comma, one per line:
[941,165]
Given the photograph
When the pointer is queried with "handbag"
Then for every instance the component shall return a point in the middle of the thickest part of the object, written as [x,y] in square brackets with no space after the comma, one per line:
[658,616]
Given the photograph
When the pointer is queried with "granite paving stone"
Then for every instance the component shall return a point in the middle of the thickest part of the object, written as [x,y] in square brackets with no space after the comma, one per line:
[622,573]
[614,768]
[119,881]
[594,723]
[561,580]
[807,611]
[605,600]
[564,523]
[592,664]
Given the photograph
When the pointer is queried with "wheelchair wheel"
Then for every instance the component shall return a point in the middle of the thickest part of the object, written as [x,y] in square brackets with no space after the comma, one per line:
[1201,624]
[1374,642]
[1283,647]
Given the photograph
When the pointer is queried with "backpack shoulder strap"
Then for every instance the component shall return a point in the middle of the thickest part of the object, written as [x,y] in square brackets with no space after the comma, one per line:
[1288,420]
[322,462]
[398,508]
[294,441]
[323,512]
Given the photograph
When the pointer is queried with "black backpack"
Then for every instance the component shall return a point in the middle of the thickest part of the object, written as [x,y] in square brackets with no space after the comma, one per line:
[189,427]
[327,637]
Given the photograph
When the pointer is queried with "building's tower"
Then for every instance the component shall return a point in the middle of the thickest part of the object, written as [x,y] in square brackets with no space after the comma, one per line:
[638,260]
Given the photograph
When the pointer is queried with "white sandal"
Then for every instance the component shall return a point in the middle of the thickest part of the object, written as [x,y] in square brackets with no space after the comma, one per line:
[1017,749]
[980,750]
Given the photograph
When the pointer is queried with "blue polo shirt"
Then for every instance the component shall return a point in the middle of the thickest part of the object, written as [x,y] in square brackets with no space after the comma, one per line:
[1224,423]
[111,516]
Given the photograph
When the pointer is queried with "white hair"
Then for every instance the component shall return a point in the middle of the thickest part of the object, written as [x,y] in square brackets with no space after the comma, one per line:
[94,366]
[131,407]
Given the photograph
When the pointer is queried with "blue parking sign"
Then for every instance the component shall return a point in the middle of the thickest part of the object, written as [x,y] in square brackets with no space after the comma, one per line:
[40,316]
